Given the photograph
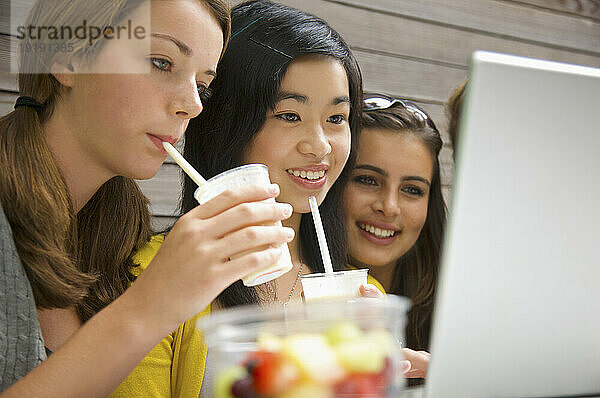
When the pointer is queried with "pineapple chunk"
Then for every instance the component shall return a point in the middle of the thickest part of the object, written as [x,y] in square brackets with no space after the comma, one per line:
[314,357]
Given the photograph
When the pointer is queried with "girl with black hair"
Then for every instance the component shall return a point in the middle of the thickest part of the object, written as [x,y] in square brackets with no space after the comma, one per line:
[288,95]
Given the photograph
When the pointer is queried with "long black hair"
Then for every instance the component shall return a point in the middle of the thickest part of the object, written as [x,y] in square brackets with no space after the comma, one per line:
[266,38]
[416,272]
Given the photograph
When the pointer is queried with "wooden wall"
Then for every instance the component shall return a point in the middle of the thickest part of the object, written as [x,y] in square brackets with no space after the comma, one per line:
[419,49]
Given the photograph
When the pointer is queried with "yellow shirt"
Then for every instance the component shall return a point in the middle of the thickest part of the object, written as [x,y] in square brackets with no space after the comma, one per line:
[372,281]
[175,367]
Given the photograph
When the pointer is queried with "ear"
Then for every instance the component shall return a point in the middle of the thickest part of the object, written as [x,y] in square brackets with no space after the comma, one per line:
[64,73]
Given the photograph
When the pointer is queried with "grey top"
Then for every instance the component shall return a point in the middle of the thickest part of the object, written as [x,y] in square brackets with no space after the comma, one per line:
[21,343]
[207,382]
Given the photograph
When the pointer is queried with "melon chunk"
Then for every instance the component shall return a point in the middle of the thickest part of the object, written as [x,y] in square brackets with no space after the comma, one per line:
[314,357]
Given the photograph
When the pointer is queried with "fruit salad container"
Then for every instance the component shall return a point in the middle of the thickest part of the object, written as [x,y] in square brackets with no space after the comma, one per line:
[333,349]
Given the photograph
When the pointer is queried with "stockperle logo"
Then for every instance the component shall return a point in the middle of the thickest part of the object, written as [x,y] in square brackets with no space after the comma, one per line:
[36,36]
[83,32]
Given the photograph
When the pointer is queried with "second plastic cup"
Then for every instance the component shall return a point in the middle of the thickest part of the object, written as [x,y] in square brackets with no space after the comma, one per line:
[342,284]
[250,174]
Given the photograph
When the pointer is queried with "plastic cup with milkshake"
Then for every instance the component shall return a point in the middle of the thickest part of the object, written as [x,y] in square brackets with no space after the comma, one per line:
[250,174]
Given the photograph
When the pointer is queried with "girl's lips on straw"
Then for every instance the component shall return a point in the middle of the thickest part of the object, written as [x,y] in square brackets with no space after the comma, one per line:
[158,140]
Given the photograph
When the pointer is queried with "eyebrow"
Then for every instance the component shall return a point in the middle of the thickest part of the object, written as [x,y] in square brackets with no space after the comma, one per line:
[385,174]
[341,100]
[417,178]
[371,168]
[284,95]
[183,48]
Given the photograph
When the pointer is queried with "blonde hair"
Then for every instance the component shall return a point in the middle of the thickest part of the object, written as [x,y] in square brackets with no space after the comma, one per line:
[70,259]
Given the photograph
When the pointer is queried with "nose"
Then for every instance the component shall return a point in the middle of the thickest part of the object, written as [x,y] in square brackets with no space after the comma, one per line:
[186,101]
[387,203]
[315,143]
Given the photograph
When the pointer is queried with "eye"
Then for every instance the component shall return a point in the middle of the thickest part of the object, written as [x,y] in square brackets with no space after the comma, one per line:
[288,117]
[336,119]
[162,64]
[366,180]
[412,190]
[204,92]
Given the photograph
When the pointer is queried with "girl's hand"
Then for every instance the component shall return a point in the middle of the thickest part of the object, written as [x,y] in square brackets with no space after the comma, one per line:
[370,291]
[192,267]
[419,360]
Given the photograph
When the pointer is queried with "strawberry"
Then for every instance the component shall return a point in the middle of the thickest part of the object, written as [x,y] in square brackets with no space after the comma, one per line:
[361,385]
[386,376]
[270,372]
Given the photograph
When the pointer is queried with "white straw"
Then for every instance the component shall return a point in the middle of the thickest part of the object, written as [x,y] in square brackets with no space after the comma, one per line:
[185,166]
[314,209]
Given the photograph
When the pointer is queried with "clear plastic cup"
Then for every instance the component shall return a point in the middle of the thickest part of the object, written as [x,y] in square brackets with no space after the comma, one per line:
[250,174]
[325,286]
[345,348]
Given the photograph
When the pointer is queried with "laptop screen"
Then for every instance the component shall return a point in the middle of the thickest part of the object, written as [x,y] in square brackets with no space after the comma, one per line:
[518,305]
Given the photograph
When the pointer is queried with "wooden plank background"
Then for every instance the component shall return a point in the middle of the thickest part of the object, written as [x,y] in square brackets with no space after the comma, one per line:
[419,49]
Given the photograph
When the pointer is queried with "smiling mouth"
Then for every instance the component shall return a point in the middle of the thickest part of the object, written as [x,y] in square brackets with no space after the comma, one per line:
[307,175]
[377,232]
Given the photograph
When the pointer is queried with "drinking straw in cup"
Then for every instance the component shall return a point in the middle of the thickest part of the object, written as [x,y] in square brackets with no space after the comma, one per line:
[329,285]
[185,166]
[314,209]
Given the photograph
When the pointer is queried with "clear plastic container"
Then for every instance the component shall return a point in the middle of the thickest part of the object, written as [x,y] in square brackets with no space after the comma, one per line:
[340,284]
[250,174]
[324,349]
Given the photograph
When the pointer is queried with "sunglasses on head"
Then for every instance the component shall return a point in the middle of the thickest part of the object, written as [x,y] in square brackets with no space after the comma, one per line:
[380,102]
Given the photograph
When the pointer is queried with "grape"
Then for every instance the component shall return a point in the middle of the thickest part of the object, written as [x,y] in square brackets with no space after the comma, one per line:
[226,378]
[253,364]
[243,388]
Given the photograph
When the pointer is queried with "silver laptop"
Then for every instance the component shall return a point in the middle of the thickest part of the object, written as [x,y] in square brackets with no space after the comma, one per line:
[518,306]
